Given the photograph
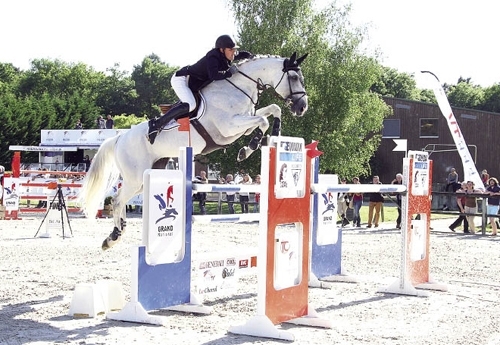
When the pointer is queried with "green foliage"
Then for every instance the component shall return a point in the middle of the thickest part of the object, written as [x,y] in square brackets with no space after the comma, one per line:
[465,95]
[152,83]
[127,121]
[343,114]
[116,92]
[492,99]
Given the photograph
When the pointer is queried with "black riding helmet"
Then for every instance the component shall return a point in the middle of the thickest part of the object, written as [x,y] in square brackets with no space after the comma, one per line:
[225,41]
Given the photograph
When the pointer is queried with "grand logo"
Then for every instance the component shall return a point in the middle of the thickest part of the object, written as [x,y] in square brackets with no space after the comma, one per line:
[165,204]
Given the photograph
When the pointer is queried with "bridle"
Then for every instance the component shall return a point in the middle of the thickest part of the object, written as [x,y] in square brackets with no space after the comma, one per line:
[261,86]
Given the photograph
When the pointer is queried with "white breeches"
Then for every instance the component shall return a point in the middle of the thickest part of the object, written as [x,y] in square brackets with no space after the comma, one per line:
[182,90]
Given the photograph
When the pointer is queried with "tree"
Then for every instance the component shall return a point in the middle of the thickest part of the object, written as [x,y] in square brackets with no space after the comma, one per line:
[116,92]
[344,114]
[152,83]
[465,94]
[492,99]
[9,77]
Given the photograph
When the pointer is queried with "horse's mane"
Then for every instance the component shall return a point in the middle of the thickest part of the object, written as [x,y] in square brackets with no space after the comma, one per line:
[257,57]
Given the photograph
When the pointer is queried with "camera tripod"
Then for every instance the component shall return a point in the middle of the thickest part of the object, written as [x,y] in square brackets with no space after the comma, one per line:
[60,204]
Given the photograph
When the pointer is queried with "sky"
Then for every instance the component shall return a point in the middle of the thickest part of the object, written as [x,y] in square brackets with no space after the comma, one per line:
[450,38]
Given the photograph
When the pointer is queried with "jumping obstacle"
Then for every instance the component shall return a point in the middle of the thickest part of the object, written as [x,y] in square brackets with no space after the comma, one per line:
[161,266]
[284,256]
[414,266]
[283,261]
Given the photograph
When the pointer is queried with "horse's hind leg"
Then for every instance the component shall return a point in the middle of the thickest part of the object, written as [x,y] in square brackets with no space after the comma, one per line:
[120,219]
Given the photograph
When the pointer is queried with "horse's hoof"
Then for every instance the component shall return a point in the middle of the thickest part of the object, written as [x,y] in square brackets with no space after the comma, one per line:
[242,154]
[105,245]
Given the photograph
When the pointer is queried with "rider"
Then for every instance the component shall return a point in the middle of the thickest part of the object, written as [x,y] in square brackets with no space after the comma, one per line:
[215,65]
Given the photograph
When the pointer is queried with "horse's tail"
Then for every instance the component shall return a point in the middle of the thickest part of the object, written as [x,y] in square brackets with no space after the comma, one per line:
[100,177]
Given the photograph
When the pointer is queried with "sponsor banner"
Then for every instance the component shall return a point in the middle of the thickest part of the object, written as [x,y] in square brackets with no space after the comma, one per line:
[11,193]
[469,167]
[216,274]
[86,137]
[164,222]
[326,212]
[420,178]
[288,255]
[290,168]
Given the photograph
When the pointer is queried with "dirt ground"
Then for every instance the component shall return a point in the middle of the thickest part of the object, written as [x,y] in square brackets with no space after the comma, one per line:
[38,276]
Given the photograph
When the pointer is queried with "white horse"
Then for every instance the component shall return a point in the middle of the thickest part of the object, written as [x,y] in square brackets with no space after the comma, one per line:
[227,112]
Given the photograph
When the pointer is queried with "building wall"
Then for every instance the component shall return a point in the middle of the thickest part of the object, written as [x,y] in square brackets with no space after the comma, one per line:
[478,128]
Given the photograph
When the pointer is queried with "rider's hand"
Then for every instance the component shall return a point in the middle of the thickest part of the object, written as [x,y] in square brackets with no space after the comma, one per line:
[233,69]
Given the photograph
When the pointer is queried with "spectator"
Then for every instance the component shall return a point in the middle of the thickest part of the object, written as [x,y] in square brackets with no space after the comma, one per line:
[229,195]
[342,205]
[493,190]
[78,124]
[101,123]
[86,160]
[375,205]
[471,205]
[398,180]
[461,206]
[357,202]
[257,195]
[202,197]
[245,196]
[452,181]
[110,124]
[485,177]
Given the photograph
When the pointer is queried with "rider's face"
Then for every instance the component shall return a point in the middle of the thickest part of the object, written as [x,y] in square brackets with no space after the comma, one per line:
[230,53]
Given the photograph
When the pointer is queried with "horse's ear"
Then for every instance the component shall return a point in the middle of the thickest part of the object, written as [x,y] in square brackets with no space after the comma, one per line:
[302,58]
[293,57]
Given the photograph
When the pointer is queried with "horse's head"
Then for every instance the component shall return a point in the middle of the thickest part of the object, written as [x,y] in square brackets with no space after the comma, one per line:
[292,87]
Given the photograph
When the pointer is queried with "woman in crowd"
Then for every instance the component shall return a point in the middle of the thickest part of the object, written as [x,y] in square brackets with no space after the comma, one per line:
[493,190]
[245,196]
[461,206]
[357,202]
[471,205]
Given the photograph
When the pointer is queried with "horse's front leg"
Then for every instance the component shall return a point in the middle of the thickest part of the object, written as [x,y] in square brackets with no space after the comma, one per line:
[262,127]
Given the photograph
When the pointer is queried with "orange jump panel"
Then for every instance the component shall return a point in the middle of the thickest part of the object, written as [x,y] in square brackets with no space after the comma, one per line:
[291,302]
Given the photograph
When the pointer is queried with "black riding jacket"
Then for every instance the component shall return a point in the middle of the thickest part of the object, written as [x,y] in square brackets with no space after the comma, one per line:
[213,66]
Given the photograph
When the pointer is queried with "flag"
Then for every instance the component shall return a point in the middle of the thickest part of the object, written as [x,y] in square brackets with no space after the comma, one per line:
[401,145]
[469,167]
[183,124]
[312,150]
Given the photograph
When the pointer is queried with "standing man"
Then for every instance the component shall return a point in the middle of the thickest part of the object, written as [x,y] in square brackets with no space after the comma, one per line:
[110,124]
[398,180]
[202,196]
[375,204]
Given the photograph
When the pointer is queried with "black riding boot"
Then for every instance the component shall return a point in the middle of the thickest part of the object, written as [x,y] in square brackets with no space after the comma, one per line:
[159,122]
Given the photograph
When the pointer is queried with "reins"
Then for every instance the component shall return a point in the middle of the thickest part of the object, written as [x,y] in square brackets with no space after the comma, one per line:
[262,86]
